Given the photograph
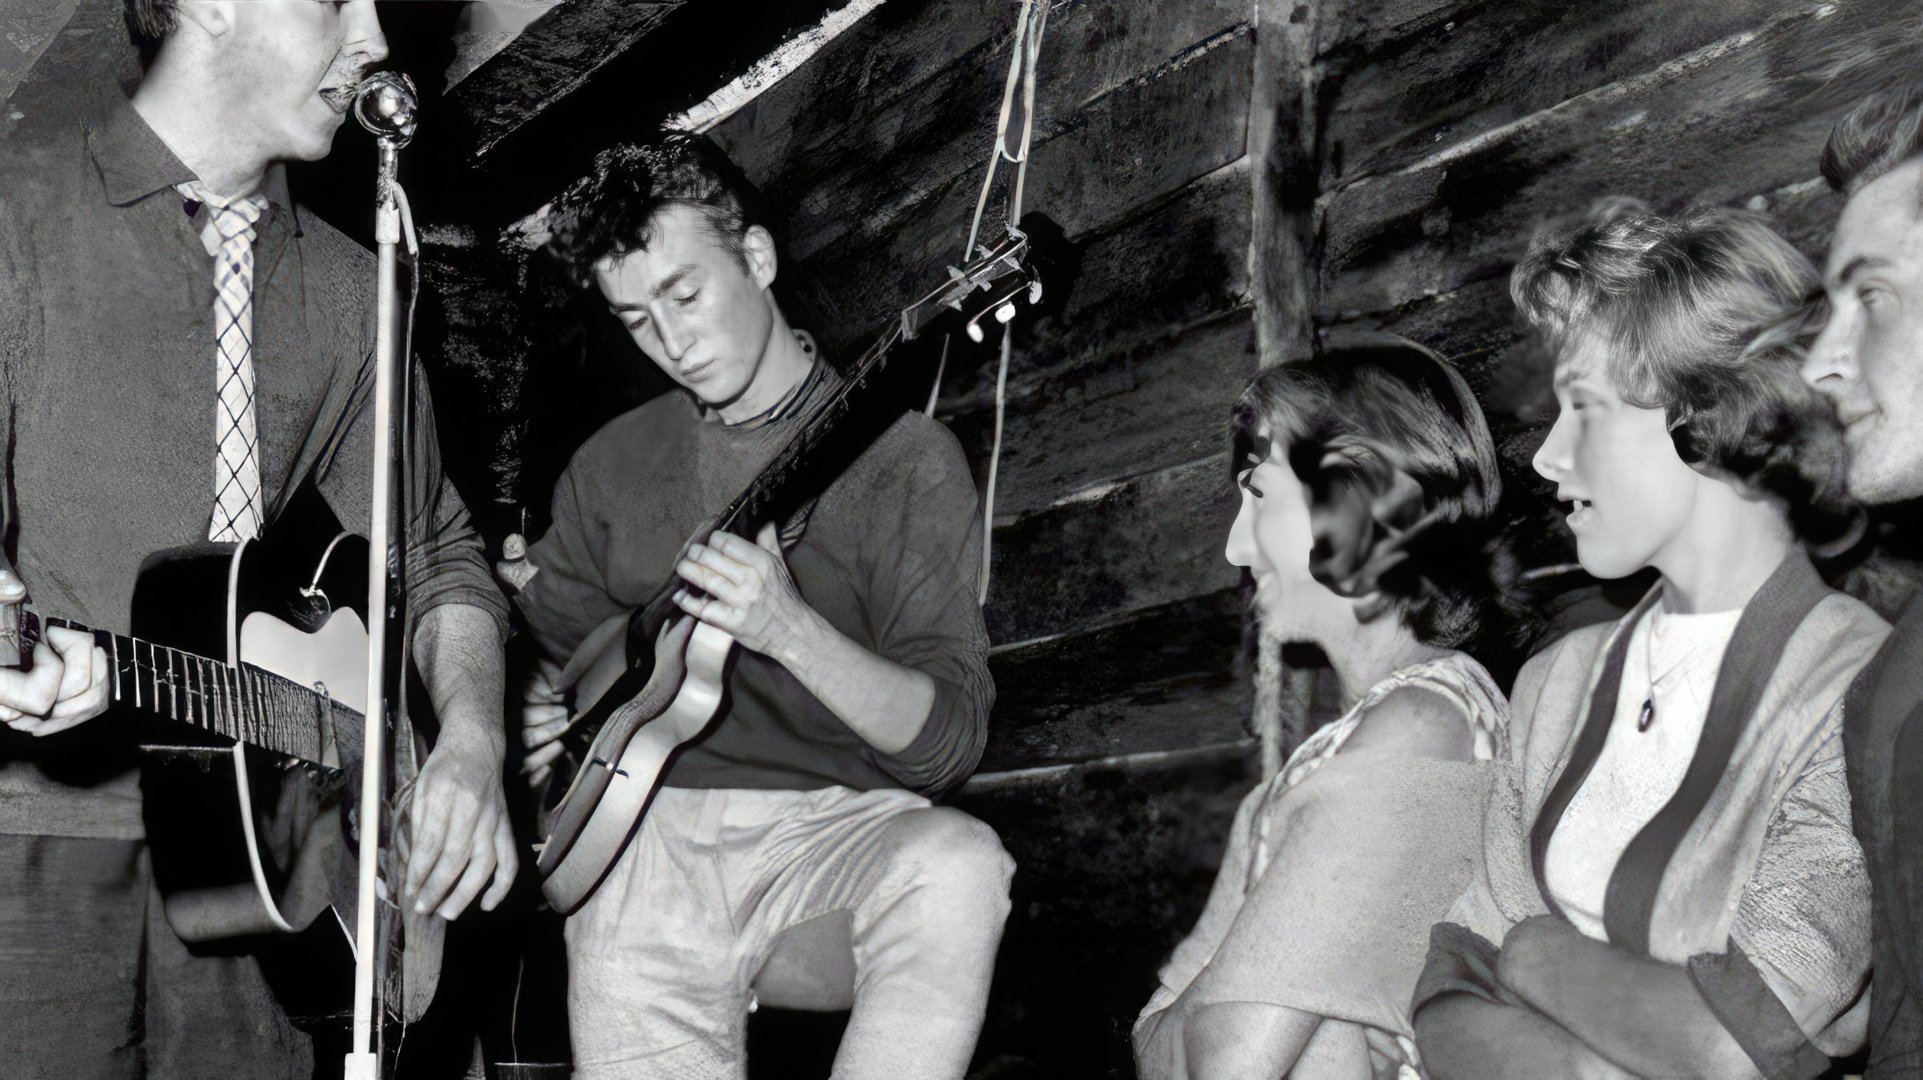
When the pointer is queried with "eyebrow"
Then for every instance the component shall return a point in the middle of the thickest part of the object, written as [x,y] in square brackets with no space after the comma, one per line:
[1861,262]
[666,283]
[1567,376]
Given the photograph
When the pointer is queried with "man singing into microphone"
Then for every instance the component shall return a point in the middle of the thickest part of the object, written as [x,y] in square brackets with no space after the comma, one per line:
[182,347]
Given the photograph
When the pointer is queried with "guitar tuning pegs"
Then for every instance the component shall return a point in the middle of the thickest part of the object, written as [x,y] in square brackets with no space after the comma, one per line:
[1035,291]
[975,332]
[1005,313]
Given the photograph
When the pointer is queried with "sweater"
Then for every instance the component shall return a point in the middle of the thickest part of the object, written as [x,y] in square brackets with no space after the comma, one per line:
[888,555]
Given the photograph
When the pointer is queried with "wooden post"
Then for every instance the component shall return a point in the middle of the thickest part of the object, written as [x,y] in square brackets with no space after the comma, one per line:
[1285,171]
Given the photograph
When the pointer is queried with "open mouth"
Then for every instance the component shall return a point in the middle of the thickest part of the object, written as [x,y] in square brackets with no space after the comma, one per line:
[1581,512]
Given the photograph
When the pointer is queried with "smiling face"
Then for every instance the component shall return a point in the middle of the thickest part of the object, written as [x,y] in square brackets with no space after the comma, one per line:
[1272,537]
[700,311]
[1869,357]
[290,68]
[1631,495]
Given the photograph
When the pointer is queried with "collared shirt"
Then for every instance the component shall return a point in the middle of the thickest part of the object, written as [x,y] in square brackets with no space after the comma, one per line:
[106,336]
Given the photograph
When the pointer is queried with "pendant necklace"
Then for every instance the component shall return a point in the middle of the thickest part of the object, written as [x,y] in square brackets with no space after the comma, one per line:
[1648,714]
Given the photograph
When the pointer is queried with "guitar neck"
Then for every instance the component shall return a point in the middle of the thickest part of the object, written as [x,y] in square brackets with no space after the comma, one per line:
[243,703]
[751,506]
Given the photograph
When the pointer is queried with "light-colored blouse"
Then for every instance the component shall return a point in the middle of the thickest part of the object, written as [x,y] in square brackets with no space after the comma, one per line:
[1639,770]
[1340,927]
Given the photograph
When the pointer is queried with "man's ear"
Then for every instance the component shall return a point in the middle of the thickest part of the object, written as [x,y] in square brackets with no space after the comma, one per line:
[758,249]
[215,18]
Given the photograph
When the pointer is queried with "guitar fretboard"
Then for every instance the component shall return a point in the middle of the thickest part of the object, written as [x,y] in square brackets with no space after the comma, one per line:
[244,703]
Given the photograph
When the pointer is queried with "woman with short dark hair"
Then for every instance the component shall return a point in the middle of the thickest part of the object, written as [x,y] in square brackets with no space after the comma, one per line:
[1668,865]
[1368,486]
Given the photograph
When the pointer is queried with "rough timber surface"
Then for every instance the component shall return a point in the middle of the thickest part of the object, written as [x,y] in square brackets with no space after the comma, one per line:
[1114,549]
[917,143]
[1113,866]
[1402,92]
[1716,126]
[1150,680]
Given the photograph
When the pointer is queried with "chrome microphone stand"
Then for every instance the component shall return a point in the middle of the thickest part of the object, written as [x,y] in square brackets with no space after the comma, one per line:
[386,105]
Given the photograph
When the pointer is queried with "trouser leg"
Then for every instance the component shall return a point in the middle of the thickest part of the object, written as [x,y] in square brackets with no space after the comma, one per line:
[654,981]
[928,889]
[72,915]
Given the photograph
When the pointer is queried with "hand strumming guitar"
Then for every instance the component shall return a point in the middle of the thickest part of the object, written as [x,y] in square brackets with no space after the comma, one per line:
[462,839]
[752,597]
[69,681]
[544,719]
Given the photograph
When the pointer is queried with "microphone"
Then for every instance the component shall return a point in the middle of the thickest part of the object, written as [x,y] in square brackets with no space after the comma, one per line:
[386,104]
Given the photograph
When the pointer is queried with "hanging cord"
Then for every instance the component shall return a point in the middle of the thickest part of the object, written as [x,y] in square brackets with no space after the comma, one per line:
[1025,55]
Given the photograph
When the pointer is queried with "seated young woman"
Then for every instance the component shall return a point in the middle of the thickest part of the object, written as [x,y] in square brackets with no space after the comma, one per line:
[1368,481]
[1668,865]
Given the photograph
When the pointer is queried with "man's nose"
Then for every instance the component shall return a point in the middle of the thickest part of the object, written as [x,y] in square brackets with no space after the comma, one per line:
[1830,357]
[674,338]
[364,36]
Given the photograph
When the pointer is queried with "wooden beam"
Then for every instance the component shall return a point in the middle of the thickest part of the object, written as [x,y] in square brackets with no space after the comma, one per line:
[550,60]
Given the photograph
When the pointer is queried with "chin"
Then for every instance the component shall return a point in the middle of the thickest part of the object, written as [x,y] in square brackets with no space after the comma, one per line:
[1607,565]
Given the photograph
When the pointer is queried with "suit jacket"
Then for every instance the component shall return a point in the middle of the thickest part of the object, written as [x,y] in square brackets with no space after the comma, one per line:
[1883,742]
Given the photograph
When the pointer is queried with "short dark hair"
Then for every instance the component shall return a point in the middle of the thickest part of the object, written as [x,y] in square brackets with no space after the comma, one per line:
[610,211]
[1356,413]
[1700,316]
[149,22]
[1883,130]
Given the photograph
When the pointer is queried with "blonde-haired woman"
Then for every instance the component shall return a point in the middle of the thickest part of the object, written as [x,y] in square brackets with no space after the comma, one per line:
[1668,883]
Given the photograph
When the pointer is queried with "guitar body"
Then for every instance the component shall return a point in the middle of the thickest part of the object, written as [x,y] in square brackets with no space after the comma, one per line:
[294,604]
[622,767]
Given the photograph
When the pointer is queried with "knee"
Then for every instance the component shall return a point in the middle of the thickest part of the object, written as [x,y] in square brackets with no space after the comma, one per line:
[955,853]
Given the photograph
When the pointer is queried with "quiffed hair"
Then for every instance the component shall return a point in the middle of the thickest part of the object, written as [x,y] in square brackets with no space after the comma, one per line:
[1402,478]
[611,210]
[1883,131]
[1700,315]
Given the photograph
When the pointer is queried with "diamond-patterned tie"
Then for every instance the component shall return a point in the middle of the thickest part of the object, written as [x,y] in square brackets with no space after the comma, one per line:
[237,510]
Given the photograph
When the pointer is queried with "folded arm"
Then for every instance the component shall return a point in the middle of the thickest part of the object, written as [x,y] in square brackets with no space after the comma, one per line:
[1644,1014]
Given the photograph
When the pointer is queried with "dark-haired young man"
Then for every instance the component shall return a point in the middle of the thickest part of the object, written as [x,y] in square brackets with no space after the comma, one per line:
[860,687]
[182,348]
[1869,360]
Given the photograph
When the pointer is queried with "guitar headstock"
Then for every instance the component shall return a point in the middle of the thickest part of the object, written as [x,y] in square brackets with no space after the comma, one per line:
[991,286]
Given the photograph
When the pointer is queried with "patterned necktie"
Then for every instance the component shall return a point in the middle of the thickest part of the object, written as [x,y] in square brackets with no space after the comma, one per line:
[237,509]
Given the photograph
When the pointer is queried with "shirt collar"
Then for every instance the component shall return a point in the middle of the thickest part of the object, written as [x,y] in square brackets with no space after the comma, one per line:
[134,162]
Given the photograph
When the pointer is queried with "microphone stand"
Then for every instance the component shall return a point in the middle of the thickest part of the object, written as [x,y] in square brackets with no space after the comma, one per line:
[385,104]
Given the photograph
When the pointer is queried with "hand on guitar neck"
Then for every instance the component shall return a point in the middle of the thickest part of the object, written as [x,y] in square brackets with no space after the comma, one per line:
[67,683]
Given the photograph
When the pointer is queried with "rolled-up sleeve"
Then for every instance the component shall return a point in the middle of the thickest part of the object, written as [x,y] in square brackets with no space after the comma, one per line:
[923,559]
[445,560]
[1800,945]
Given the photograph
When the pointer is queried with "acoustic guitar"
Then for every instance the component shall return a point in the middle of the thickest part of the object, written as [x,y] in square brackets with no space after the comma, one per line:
[656,678]
[254,661]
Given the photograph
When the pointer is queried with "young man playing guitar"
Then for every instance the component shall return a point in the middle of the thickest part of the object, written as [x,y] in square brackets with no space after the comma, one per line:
[800,821]
[182,348]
